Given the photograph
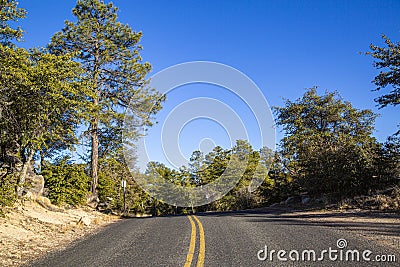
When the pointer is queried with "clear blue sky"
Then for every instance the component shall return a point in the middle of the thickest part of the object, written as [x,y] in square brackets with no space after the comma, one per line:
[283,46]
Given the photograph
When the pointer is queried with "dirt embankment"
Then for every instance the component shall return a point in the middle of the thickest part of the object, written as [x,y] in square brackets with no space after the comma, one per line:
[29,230]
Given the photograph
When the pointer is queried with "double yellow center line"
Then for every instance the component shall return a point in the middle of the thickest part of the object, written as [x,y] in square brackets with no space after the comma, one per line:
[202,248]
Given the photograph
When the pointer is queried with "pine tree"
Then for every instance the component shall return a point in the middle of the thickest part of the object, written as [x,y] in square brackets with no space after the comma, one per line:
[10,12]
[116,74]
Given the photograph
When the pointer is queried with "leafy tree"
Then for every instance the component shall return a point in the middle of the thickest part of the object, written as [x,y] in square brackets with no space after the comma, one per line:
[45,99]
[215,164]
[67,182]
[10,12]
[388,61]
[328,143]
[110,54]
[110,189]
[38,101]
[255,166]
[388,162]
[224,165]
[195,166]
[7,190]
[282,184]
[112,172]
[227,165]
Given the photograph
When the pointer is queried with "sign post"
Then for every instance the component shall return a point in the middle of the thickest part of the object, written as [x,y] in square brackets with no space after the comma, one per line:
[124,188]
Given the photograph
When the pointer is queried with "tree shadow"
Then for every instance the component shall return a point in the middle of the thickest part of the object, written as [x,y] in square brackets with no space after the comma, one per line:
[352,221]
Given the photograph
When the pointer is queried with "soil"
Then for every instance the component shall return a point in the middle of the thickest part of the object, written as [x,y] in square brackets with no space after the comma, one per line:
[29,230]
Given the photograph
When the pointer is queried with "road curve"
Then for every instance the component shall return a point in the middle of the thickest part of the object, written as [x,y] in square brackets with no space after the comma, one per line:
[226,239]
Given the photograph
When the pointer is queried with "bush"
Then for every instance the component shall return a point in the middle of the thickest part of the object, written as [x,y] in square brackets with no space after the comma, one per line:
[110,191]
[386,200]
[111,173]
[7,191]
[67,182]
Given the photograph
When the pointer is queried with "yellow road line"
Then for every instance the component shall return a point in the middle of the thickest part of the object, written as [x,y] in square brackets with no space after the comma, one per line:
[192,246]
[202,251]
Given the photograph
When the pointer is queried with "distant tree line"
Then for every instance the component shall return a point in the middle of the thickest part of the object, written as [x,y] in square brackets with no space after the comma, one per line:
[77,88]
[327,151]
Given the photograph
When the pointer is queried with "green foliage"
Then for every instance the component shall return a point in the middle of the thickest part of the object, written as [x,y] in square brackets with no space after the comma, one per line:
[388,61]
[93,73]
[110,192]
[110,54]
[10,12]
[110,176]
[388,162]
[44,97]
[214,164]
[281,184]
[328,144]
[203,169]
[67,182]
[7,190]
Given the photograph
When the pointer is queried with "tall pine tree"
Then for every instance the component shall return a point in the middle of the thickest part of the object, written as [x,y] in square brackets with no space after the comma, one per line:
[110,54]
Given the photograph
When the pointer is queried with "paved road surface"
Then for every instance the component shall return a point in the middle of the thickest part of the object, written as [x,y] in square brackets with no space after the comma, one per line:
[223,239]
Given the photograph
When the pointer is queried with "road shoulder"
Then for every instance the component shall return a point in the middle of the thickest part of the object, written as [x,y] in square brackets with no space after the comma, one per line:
[30,231]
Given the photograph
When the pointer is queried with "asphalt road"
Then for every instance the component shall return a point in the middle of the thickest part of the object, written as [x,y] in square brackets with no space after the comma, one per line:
[226,239]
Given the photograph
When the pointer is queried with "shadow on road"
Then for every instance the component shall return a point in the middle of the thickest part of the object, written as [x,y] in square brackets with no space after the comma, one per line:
[376,223]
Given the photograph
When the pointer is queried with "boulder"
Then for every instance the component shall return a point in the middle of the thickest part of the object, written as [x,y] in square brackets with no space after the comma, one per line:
[46,203]
[293,200]
[93,201]
[305,200]
[289,200]
[35,183]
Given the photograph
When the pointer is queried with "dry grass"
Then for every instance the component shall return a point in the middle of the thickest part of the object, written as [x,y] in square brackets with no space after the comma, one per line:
[30,230]
[388,200]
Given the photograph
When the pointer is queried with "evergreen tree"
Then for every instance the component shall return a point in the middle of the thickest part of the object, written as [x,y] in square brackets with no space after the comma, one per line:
[116,74]
[45,101]
[388,61]
[328,144]
[10,12]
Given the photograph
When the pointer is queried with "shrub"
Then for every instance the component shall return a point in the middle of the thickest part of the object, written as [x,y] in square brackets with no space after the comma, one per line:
[7,191]
[67,182]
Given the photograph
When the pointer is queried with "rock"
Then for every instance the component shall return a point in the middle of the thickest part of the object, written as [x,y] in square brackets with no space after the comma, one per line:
[46,203]
[290,200]
[93,201]
[35,182]
[85,221]
[305,200]
[30,195]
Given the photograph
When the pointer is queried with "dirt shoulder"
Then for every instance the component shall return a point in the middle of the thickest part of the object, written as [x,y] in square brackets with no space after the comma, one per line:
[29,231]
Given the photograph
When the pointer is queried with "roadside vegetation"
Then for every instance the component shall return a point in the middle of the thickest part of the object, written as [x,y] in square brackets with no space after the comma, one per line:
[75,91]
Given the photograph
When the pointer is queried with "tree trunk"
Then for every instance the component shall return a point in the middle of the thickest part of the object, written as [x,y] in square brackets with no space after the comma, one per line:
[94,163]
[41,160]
[94,157]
